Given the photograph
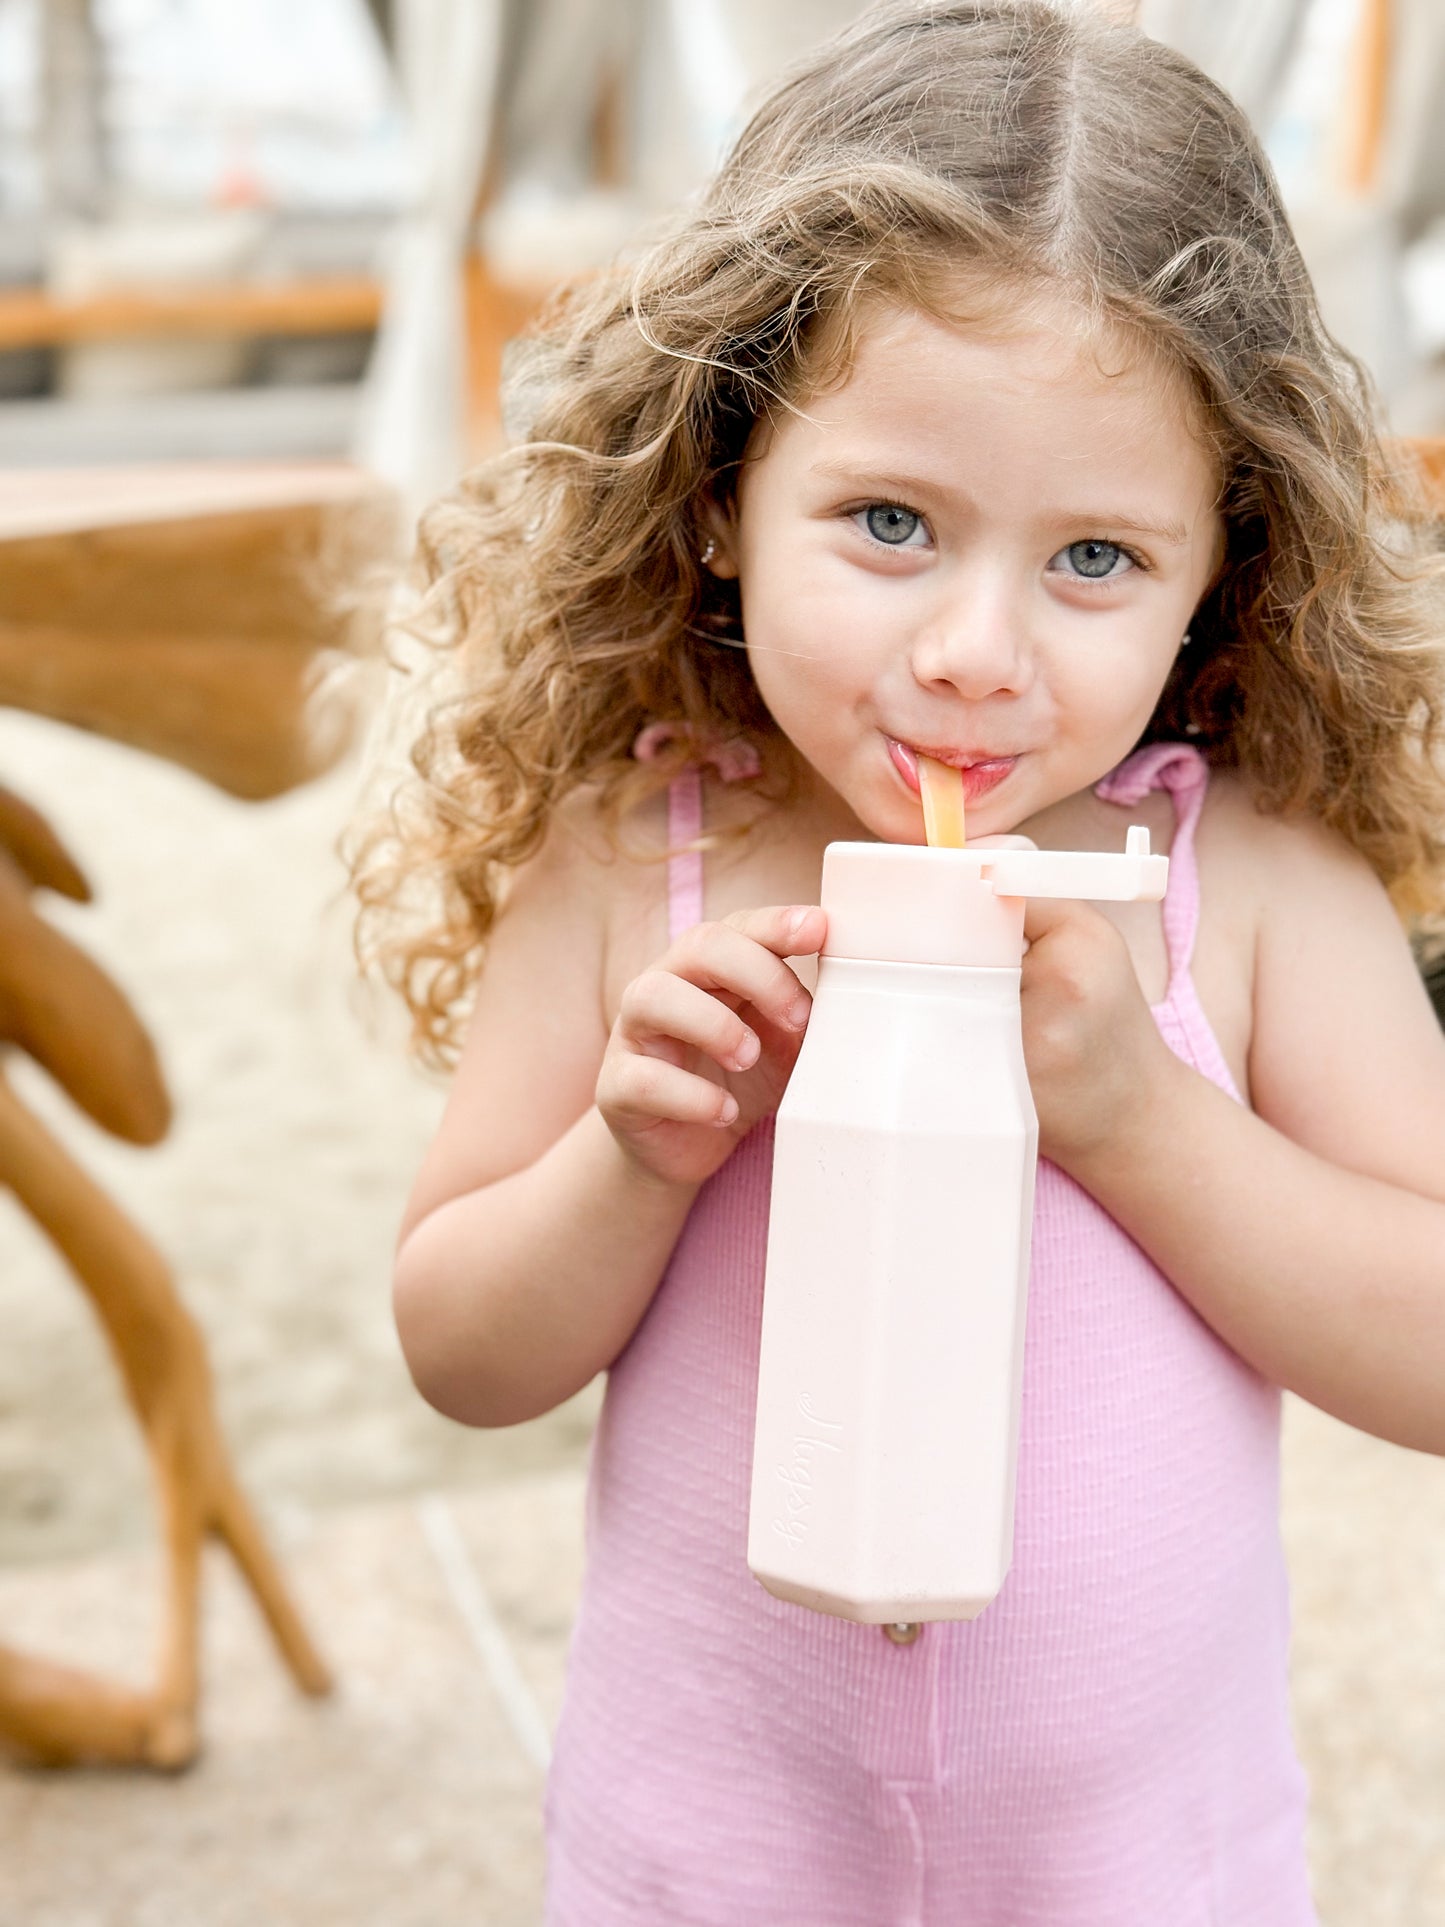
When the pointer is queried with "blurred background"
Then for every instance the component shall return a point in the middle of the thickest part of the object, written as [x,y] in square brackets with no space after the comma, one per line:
[258,267]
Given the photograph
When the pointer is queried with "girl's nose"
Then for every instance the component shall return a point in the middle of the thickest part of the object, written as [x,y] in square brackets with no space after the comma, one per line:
[975,639]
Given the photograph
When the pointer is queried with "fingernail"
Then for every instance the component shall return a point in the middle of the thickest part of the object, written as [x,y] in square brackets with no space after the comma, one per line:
[746,1053]
[729,1110]
[796,921]
[798,1015]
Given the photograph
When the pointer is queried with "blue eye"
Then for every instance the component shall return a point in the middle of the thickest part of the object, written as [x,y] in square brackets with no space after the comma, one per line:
[888,523]
[1095,561]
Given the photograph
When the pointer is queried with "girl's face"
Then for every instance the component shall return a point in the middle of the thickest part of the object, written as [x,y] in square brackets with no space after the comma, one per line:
[982,545]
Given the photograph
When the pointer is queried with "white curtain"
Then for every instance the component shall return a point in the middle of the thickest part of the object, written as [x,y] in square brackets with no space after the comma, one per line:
[1412,172]
[1245,45]
[412,429]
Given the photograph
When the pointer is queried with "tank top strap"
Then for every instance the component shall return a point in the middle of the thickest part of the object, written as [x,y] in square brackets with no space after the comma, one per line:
[1182,770]
[735,762]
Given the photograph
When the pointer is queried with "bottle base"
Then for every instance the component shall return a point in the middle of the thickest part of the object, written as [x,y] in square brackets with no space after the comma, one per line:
[894,1609]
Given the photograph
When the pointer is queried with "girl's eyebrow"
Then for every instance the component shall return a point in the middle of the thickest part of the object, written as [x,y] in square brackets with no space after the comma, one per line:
[1173,534]
[864,476]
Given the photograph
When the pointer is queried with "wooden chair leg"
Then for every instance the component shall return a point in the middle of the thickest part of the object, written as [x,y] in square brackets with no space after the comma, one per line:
[235,1522]
[59,1714]
[177,1693]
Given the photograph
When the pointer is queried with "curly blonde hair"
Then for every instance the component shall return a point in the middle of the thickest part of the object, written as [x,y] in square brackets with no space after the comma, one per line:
[1013,141]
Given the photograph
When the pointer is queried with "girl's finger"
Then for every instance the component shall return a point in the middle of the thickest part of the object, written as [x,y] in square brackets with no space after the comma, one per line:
[660,1004]
[787,929]
[640,1090]
[729,958]
[1083,923]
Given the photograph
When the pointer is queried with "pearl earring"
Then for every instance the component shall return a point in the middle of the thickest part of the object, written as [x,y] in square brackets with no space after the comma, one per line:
[1184,640]
[709,550]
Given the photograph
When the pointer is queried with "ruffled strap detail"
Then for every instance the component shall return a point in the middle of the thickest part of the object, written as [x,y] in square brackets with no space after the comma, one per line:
[1182,770]
[735,761]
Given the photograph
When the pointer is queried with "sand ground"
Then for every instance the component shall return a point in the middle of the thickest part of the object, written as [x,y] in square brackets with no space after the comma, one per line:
[276,1198]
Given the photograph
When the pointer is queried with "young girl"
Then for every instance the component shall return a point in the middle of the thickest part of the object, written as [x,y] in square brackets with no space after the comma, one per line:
[981,409]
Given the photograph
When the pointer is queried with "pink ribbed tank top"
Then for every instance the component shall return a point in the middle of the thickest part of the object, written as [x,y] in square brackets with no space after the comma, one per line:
[1107,1746]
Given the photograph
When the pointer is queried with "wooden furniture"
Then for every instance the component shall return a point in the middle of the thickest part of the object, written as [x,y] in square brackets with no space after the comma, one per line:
[184,611]
[1367,100]
[333,304]
[188,610]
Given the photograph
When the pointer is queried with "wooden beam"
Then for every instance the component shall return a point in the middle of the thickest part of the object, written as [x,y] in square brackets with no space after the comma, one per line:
[199,637]
[495,312]
[331,304]
[1367,100]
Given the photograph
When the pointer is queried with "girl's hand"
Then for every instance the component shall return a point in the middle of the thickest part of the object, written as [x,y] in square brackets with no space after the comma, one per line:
[705,1041]
[1090,1043]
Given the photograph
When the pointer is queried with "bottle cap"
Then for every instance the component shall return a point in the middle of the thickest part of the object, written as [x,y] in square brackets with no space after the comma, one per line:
[906,903]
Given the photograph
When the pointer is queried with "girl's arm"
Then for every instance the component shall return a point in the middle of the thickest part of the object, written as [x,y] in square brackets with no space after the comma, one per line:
[1310,1232]
[548,1205]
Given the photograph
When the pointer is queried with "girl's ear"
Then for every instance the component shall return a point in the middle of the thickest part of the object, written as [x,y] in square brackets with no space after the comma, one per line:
[720,535]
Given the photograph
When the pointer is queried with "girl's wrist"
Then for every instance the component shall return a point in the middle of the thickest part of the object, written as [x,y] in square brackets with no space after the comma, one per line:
[1110,1162]
[650,1187]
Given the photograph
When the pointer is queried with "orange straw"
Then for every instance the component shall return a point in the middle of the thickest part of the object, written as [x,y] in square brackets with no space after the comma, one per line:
[942,789]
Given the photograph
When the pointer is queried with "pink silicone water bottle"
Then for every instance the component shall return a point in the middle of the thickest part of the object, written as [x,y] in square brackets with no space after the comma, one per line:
[898,1245]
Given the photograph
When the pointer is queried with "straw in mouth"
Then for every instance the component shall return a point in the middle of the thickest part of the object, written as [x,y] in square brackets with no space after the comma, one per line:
[941,788]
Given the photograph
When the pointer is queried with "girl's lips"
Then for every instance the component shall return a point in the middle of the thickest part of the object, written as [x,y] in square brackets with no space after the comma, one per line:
[978,777]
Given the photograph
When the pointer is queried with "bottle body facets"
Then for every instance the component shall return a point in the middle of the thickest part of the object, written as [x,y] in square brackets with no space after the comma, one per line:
[894,1307]
[897,1273]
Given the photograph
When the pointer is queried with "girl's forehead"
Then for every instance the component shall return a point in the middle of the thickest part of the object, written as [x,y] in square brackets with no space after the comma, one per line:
[1036,340]
[999,361]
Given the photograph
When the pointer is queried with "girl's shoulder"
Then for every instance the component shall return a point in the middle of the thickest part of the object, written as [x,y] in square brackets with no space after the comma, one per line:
[601,883]
[575,865]
[1336,998]
[564,909]
[1346,1056]
[605,867]
[1274,863]
[536,1032]
[1251,869]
